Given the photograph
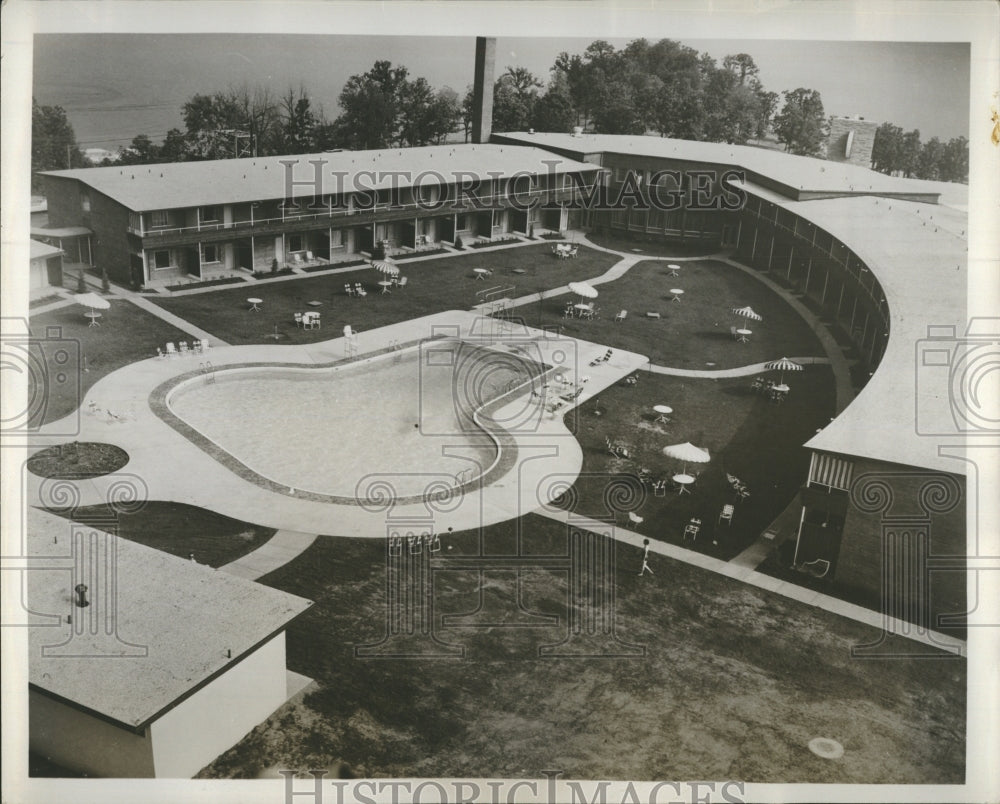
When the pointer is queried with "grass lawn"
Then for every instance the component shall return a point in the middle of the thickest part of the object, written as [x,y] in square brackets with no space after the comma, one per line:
[77,460]
[180,530]
[126,334]
[447,283]
[746,435]
[734,682]
[692,333]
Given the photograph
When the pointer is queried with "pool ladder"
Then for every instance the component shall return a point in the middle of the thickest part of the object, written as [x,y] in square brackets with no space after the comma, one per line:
[208,370]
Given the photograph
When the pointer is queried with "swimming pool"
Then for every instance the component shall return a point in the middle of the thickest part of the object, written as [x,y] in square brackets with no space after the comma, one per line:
[405,415]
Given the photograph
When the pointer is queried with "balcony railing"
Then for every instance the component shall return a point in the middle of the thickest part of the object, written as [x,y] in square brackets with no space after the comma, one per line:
[465,204]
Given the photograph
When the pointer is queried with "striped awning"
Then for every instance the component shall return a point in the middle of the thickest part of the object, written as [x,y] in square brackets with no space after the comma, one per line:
[828,470]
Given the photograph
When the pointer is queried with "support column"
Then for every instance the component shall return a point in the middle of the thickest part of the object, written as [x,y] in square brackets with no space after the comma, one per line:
[482,89]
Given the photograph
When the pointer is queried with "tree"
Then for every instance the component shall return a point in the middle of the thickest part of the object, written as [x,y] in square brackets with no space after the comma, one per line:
[468,110]
[767,105]
[742,66]
[909,152]
[887,149]
[298,122]
[617,112]
[554,110]
[511,111]
[53,142]
[372,107]
[929,160]
[801,124]
[954,164]
[174,148]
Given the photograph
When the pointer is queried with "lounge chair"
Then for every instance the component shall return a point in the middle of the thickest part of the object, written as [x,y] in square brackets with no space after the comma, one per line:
[622,314]
[184,347]
[616,449]
[204,344]
[635,519]
[727,514]
[171,350]
[818,568]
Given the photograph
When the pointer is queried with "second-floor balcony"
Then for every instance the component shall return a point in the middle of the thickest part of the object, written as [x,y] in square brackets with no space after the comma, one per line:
[306,217]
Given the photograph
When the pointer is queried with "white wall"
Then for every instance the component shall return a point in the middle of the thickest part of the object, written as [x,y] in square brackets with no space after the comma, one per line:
[80,742]
[215,718]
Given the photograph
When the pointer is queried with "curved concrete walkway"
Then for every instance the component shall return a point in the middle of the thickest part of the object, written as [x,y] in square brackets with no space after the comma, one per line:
[739,371]
[274,553]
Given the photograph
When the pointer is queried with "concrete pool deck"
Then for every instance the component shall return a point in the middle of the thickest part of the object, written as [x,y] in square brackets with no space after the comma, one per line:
[117,410]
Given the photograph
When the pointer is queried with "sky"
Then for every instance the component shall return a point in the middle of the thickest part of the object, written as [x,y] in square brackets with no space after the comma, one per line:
[115,86]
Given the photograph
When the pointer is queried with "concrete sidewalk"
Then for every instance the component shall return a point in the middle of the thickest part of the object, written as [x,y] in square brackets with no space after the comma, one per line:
[274,553]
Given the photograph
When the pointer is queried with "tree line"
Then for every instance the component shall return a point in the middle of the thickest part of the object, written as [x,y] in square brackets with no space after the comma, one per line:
[902,153]
[661,87]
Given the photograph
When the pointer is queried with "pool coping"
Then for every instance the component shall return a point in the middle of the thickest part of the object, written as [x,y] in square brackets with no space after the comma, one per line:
[505,443]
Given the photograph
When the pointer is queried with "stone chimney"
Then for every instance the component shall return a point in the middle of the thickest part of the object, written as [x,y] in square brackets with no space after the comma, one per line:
[482,89]
[851,140]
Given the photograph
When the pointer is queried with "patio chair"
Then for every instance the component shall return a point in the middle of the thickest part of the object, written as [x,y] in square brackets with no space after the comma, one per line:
[348,290]
[660,488]
[617,449]
[402,282]
[359,289]
[184,347]
[205,344]
[818,568]
[298,319]
[607,356]
[573,251]
[757,384]
[622,314]
[727,514]
[159,353]
[732,331]
[692,529]
[311,321]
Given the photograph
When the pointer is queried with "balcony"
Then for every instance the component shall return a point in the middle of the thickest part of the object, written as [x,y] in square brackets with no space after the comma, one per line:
[296,222]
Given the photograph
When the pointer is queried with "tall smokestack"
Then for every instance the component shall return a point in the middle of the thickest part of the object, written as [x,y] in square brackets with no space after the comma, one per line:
[482,89]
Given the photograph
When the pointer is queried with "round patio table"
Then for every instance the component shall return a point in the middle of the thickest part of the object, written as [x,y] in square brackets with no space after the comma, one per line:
[781,389]
[386,284]
[674,269]
[683,481]
[93,316]
[744,335]
[677,293]
[663,411]
[255,304]
[582,308]
[480,273]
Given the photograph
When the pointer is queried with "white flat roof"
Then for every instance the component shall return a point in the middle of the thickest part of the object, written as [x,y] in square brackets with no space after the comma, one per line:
[234,181]
[40,250]
[186,614]
[800,173]
[918,253]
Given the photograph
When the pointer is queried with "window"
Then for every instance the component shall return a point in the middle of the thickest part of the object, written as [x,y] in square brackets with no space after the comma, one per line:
[210,253]
[337,237]
[161,259]
[295,242]
[209,214]
[159,218]
[462,222]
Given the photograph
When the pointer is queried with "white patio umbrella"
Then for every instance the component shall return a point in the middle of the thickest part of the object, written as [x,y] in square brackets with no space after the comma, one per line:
[782,365]
[92,300]
[385,267]
[583,289]
[747,313]
[687,453]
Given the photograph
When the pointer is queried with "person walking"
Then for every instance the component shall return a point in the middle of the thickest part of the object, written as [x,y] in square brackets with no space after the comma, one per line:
[645,559]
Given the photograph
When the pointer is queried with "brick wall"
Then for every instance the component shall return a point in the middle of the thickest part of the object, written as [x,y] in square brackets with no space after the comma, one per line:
[898,516]
[63,198]
[109,222]
[861,144]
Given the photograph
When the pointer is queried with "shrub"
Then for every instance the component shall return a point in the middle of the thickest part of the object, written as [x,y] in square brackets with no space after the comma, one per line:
[105,282]
[458,242]
[81,285]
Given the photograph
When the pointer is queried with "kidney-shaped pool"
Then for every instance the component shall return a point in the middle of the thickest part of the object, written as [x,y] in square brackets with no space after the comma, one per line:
[405,416]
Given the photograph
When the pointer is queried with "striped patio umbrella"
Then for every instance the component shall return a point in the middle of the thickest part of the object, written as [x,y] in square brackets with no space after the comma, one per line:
[747,313]
[783,365]
[385,267]
[583,289]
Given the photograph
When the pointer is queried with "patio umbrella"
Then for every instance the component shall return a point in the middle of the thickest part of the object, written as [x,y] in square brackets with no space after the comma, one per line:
[782,365]
[687,453]
[92,300]
[387,268]
[583,289]
[747,313]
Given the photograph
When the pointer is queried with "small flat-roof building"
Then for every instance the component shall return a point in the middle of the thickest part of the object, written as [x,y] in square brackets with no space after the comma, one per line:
[159,224]
[44,269]
[170,663]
